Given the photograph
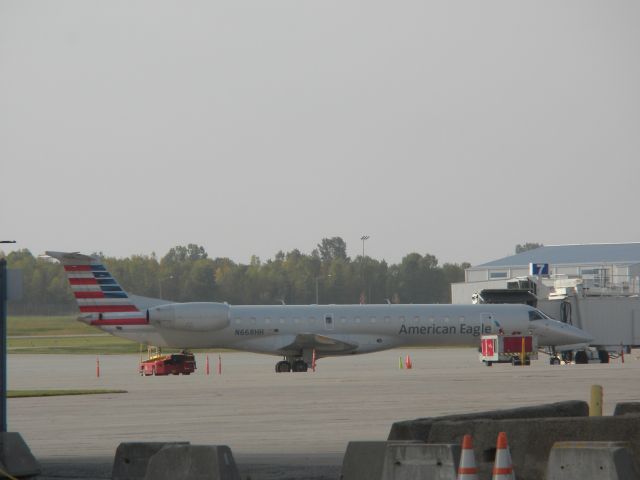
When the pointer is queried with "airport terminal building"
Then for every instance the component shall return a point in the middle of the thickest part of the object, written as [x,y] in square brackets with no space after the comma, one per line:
[602,269]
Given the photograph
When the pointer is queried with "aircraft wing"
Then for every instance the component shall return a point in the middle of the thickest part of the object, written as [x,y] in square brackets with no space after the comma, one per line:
[320,343]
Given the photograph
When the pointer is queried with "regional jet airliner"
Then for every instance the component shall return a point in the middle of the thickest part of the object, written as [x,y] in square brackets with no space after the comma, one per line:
[297,332]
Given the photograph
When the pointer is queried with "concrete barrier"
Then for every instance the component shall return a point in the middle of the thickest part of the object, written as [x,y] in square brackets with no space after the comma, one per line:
[400,461]
[530,441]
[419,429]
[626,408]
[363,460]
[15,456]
[591,461]
[193,462]
[132,458]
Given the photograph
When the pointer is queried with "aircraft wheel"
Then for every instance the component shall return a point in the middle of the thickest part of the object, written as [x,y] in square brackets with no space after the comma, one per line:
[604,356]
[554,361]
[283,366]
[300,366]
[581,357]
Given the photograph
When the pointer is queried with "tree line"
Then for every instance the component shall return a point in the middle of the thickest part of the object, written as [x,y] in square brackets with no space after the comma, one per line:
[187,273]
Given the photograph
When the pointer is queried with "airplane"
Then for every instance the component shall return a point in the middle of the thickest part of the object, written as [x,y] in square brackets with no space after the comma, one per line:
[298,333]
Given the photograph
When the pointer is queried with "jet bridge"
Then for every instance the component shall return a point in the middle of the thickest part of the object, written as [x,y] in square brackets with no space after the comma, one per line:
[611,318]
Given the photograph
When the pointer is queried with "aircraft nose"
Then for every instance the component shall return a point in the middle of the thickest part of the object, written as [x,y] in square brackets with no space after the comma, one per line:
[573,334]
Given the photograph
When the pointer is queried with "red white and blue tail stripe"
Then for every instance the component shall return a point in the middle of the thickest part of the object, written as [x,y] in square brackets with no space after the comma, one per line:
[100,298]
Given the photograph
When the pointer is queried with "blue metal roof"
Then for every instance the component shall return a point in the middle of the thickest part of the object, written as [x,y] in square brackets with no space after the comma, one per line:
[572,254]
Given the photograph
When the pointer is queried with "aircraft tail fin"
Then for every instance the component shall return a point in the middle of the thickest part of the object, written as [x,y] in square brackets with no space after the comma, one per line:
[100,298]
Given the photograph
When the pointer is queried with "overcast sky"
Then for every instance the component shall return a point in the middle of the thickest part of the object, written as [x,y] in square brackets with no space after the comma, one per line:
[456,128]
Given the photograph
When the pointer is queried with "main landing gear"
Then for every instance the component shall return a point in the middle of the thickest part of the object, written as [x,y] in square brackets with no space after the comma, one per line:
[283,366]
[292,364]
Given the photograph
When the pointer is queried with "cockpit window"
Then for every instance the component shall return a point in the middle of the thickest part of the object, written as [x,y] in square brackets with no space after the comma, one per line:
[536,315]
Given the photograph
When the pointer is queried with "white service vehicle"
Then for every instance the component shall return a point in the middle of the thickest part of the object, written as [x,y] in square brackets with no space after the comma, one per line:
[508,349]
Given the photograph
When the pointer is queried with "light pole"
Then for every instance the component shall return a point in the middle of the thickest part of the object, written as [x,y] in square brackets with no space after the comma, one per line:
[363,238]
[3,341]
[3,345]
[7,241]
[318,278]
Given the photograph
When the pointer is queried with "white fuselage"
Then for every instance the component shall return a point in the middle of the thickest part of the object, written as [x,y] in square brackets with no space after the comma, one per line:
[356,328]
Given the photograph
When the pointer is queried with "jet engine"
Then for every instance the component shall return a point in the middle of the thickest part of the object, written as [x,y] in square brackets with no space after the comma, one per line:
[195,317]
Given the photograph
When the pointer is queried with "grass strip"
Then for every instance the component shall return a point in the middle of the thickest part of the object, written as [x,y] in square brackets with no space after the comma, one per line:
[65,335]
[48,325]
[62,344]
[58,393]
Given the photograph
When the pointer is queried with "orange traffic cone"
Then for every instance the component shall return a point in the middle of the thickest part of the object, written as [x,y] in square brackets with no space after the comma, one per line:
[407,362]
[503,468]
[467,469]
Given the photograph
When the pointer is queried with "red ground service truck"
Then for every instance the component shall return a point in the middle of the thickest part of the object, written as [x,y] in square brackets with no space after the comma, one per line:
[507,349]
[171,364]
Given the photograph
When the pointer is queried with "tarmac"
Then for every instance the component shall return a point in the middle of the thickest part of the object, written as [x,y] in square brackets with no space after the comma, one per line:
[278,426]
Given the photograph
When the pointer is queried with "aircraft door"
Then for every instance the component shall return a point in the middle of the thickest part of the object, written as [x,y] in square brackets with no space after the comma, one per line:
[486,320]
[328,321]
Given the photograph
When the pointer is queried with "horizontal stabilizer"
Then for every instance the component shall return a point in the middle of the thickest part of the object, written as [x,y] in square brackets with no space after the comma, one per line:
[144,303]
[67,258]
